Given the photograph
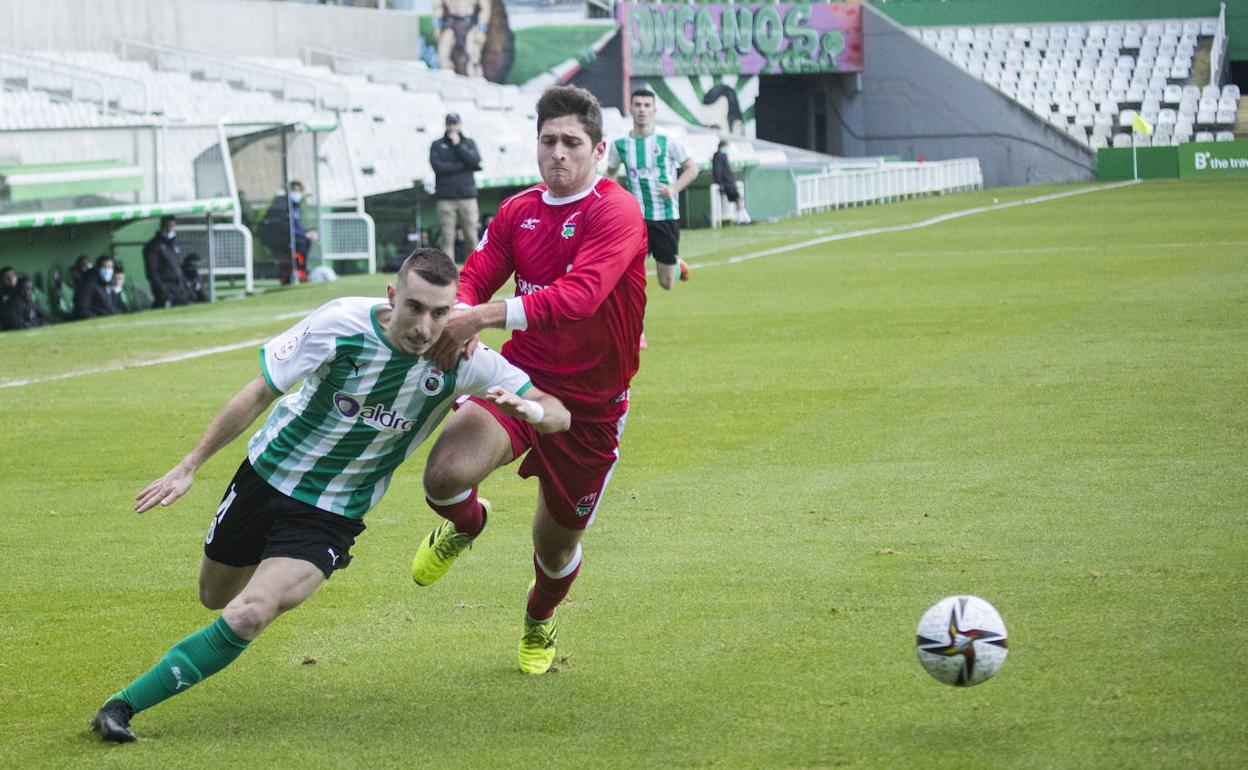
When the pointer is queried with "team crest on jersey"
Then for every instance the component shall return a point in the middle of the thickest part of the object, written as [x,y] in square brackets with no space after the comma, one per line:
[287,348]
[569,226]
[433,382]
[585,505]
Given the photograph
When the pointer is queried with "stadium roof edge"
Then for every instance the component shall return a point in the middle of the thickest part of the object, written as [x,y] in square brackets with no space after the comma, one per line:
[114,213]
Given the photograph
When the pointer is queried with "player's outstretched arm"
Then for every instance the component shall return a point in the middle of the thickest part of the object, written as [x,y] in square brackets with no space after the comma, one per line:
[240,412]
[547,413]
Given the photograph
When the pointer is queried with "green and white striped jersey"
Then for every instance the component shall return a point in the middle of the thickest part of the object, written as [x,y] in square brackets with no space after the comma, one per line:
[650,162]
[363,408]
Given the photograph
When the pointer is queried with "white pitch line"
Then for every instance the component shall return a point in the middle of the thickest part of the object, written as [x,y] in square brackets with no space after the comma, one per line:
[120,365]
[115,367]
[902,228]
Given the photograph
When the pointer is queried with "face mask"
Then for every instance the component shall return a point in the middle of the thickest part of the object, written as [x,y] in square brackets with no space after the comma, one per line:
[295,197]
[170,234]
[413,237]
[106,274]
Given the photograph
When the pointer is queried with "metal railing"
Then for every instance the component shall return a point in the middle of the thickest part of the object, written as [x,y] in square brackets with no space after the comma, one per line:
[248,76]
[348,236]
[888,182]
[42,75]
[723,209]
[1217,51]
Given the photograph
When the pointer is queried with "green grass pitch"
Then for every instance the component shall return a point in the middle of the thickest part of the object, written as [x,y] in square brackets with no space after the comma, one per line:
[1043,405]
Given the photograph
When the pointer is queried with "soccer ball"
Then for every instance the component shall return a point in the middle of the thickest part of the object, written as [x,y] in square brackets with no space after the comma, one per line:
[961,640]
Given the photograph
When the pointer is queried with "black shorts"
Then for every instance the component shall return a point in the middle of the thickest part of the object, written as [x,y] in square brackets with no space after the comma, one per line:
[664,237]
[731,193]
[255,522]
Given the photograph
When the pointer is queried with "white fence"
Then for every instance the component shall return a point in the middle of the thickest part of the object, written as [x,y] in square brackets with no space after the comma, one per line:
[839,188]
[349,236]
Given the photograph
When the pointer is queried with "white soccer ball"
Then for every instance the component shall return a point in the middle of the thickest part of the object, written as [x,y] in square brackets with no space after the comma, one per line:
[961,640]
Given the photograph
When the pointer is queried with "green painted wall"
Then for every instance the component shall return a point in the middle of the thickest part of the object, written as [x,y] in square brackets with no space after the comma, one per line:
[938,12]
[1154,163]
[36,251]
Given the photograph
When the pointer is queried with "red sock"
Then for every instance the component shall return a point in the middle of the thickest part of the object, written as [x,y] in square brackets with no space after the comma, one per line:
[467,515]
[549,591]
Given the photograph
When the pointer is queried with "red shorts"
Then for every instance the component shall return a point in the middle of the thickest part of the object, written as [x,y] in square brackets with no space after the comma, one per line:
[573,467]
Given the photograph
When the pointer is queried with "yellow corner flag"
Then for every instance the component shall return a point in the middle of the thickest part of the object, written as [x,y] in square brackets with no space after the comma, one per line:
[1142,125]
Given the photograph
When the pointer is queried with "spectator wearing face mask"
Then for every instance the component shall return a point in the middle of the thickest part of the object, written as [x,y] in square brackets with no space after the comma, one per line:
[128,297]
[94,296]
[162,261]
[282,228]
[191,279]
[21,311]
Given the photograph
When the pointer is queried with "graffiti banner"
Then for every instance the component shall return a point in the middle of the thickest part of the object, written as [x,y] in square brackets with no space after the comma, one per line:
[741,39]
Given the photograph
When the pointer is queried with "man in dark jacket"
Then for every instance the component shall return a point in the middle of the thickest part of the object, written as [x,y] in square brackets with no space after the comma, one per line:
[282,228]
[21,311]
[454,158]
[722,173]
[162,260]
[93,295]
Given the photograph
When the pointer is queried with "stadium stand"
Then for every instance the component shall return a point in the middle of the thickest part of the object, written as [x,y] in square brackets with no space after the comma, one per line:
[389,109]
[1092,79]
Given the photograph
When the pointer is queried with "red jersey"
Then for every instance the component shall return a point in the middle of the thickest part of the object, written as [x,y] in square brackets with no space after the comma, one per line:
[579,264]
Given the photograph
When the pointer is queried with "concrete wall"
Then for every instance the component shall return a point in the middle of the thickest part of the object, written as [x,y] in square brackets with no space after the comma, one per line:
[243,27]
[911,101]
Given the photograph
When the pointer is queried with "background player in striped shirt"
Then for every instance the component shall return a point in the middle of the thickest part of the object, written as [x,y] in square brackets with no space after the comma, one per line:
[652,161]
[321,460]
[576,246]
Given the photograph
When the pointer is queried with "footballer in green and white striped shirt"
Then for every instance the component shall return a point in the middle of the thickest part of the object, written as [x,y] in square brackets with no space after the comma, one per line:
[657,168]
[321,460]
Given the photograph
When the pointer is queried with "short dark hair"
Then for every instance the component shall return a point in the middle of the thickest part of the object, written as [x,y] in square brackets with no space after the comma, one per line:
[295,182]
[431,264]
[166,220]
[559,101]
[105,258]
[723,143]
[643,89]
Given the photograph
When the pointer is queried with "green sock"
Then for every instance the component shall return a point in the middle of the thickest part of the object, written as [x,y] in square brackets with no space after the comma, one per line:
[187,663]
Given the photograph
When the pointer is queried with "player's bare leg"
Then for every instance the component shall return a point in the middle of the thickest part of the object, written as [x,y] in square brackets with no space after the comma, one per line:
[667,274]
[471,447]
[556,563]
[219,583]
[278,585]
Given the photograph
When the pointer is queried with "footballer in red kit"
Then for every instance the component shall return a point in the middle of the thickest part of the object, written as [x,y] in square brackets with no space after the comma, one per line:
[576,246]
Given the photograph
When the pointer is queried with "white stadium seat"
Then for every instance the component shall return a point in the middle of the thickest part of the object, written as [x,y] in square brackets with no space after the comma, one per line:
[1231,90]
[1226,117]
[1204,136]
[1224,136]
[1122,140]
